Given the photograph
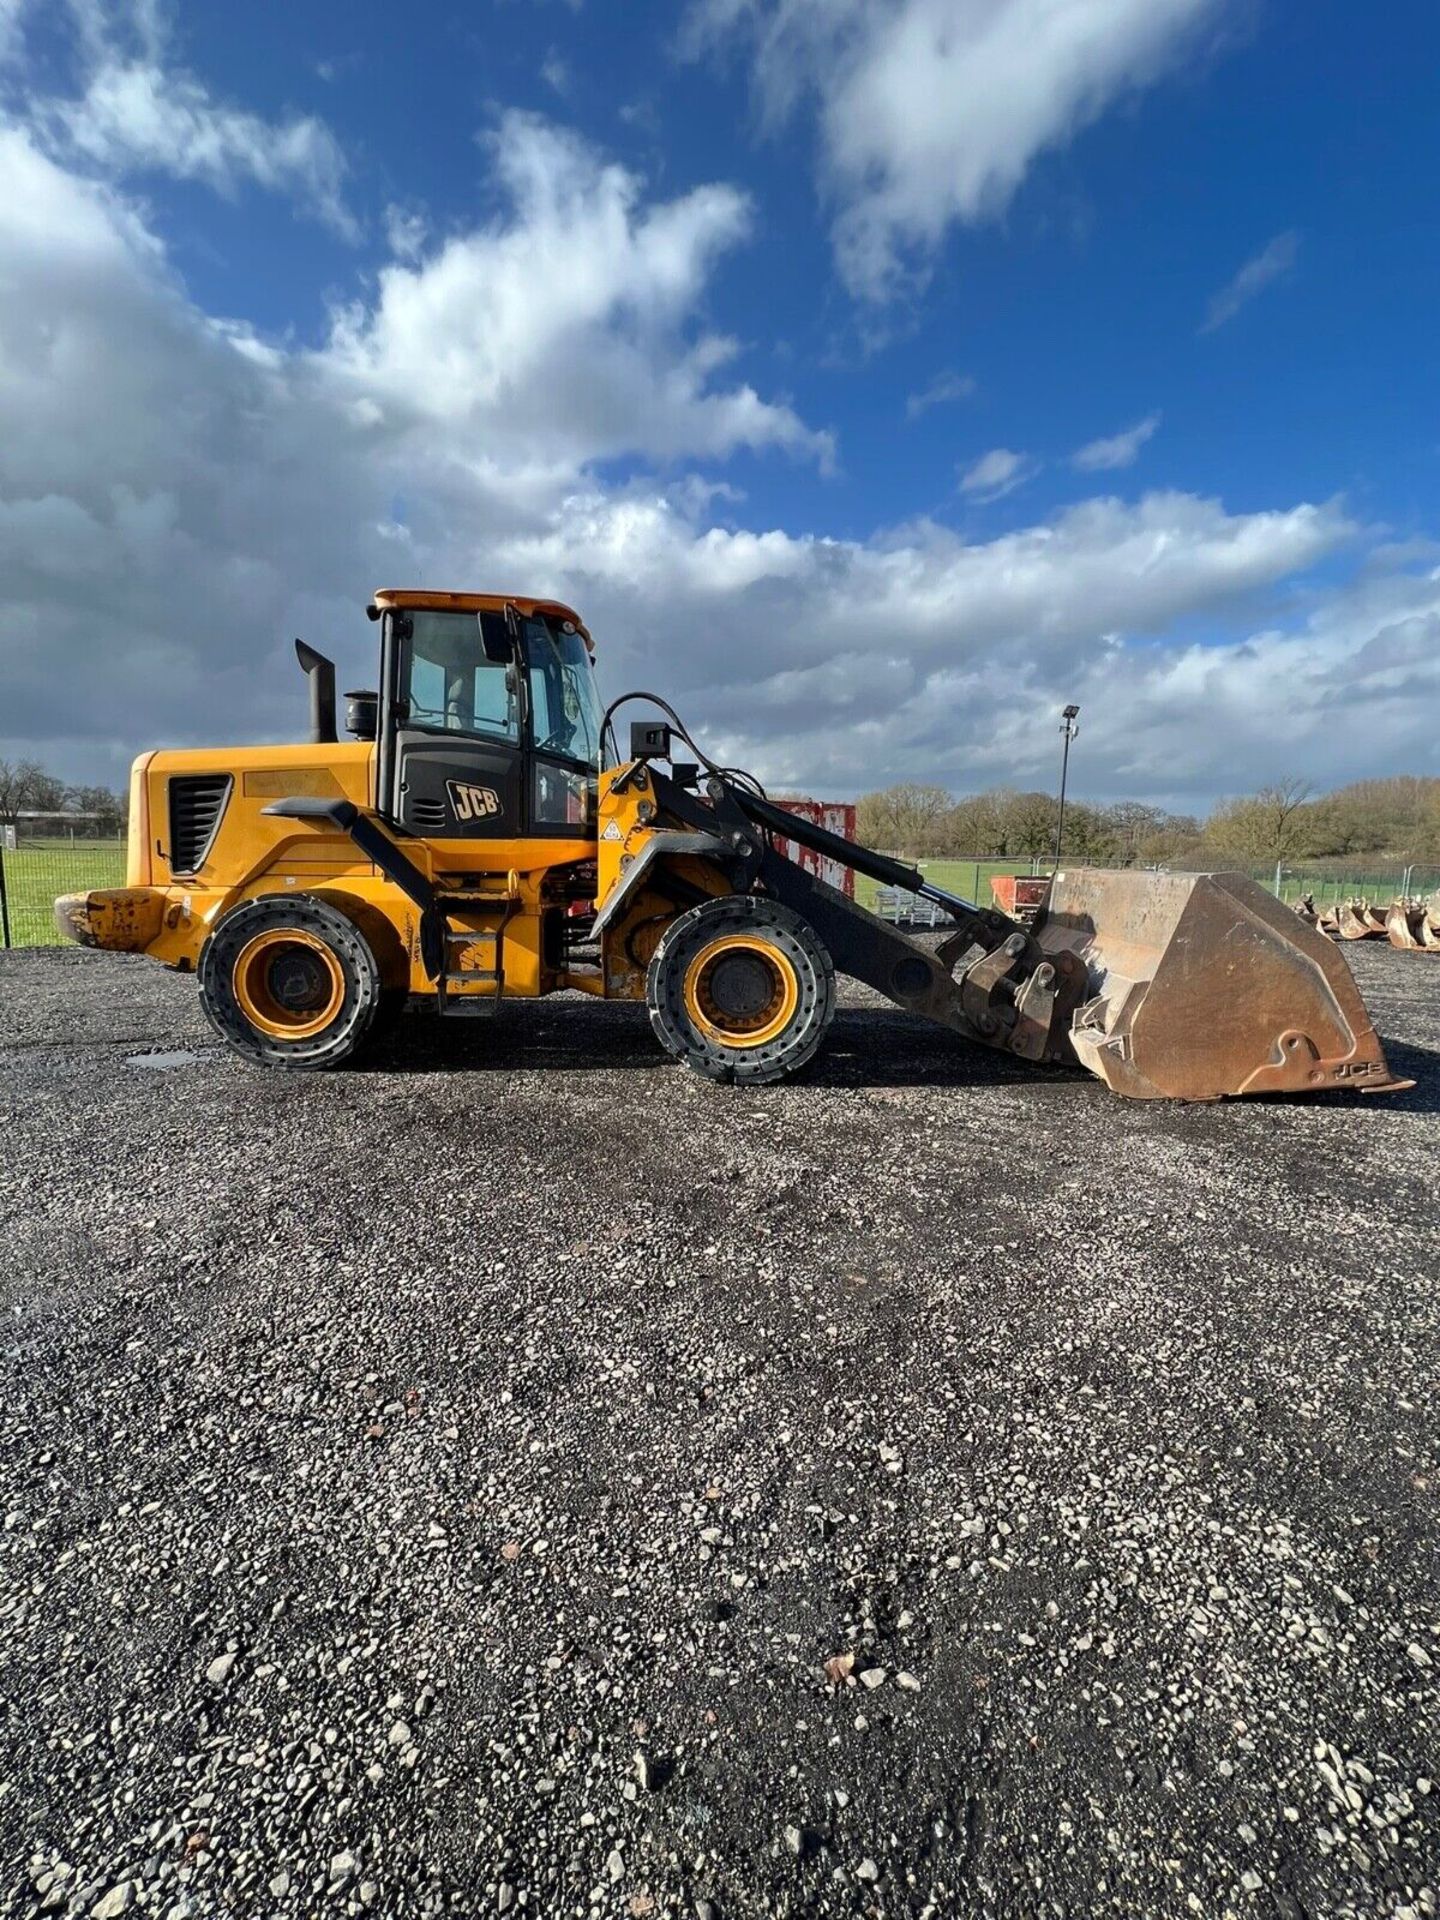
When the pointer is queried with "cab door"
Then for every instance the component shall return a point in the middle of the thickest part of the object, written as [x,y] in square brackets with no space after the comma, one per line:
[453,755]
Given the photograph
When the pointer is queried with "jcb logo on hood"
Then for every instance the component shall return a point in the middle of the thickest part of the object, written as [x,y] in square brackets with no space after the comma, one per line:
[472,803]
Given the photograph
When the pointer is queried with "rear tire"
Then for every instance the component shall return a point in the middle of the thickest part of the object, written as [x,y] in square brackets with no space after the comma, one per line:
[288,981]
[741,989]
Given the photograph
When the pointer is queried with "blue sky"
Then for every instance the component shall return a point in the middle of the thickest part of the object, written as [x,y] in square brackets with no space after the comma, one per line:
[876,375]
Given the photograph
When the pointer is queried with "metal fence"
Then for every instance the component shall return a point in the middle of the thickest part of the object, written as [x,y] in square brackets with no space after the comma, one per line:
[907,909]
[1362,877]
[1327,882]
[34,871]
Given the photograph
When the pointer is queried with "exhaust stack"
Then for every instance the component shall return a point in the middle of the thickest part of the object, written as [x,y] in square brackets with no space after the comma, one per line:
[320,672]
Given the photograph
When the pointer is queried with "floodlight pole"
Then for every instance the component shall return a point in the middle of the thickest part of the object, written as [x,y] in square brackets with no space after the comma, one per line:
[1069,729]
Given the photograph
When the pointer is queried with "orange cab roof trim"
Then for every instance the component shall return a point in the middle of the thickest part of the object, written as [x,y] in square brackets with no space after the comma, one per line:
[435,602]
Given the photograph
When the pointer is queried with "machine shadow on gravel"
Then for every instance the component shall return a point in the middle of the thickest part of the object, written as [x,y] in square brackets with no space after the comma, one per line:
[866,1047]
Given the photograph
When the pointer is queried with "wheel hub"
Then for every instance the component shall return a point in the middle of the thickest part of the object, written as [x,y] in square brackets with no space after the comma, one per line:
[298,980]
[740,986]
[741,990]
[288,984]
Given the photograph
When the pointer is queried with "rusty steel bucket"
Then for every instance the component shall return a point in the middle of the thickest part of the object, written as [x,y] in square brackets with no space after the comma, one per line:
[1358,920]
[1403,922]
[1414,925]
[1202,985]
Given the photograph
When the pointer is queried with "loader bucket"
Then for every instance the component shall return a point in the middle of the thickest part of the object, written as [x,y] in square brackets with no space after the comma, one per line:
[1203,985]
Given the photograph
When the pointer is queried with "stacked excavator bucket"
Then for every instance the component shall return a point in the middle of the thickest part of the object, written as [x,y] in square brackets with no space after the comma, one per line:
[1415,923]
[1203,985]
[1412,925]
[1358,920]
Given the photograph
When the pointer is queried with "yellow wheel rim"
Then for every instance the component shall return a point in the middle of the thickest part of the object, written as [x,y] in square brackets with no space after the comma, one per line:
[741,991]
[288,984]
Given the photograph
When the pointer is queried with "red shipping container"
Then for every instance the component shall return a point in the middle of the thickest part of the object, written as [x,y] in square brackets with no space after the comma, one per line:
[1021,895]
[836,816]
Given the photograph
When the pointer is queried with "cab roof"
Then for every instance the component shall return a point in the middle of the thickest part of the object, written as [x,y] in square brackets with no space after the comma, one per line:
[435,602]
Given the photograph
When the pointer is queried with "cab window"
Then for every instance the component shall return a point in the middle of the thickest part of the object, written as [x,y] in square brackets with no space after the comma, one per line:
[452,686]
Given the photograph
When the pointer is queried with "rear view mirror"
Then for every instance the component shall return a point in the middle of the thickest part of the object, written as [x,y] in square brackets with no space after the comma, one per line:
[499,636]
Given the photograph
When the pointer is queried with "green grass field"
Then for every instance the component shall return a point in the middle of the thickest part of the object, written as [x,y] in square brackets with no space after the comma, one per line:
[36,873]
[969,878]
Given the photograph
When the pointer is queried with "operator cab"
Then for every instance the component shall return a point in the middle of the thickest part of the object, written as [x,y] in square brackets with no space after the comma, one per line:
[488,720]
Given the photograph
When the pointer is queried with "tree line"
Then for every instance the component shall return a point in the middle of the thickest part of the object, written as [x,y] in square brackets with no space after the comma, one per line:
[26,788]
[1395,818]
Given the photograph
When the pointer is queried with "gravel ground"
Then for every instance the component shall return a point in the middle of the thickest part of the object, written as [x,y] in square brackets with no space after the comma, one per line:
[520,1476]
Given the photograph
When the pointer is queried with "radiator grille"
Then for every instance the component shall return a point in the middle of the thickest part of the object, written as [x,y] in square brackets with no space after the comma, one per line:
[197,801]
[428,813]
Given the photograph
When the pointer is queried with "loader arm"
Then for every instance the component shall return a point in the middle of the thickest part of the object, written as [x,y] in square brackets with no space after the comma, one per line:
[988,980]
[1178,986]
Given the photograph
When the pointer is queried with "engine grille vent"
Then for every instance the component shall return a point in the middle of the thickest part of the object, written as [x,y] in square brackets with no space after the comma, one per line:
[428,813]
[197,800]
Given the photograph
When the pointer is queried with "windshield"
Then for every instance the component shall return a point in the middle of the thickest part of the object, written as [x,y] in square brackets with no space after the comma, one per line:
[565,709]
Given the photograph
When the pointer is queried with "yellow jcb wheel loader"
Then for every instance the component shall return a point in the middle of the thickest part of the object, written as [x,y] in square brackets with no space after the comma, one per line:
[476,841]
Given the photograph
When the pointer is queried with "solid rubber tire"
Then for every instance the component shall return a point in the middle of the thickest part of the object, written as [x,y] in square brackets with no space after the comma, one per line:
[755,915]
[363,992]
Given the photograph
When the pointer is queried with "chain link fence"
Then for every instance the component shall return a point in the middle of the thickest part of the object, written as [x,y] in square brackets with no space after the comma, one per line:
[33,871]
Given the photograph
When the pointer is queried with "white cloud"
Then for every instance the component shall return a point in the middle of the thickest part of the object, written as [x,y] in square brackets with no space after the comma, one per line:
[997,473]
[155,461]
[1118,450]
[1348,692]
[406,231]
[135,114]
[838,665]
[944,388]
[555,73]
[642,114]
[562,333]
[932,111]
[1273,262]
[138,119]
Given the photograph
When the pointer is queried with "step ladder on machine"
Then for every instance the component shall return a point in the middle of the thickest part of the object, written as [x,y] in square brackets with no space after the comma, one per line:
[469,991]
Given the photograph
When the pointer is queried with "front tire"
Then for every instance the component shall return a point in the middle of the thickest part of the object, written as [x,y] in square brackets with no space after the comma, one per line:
[289,981]
[741,989]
